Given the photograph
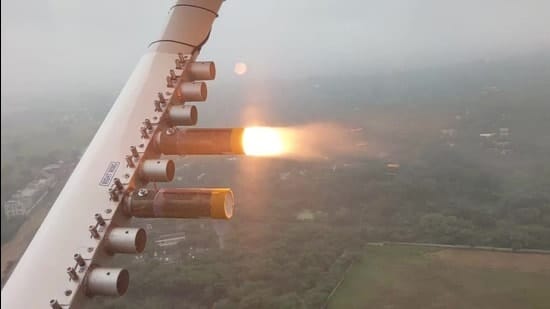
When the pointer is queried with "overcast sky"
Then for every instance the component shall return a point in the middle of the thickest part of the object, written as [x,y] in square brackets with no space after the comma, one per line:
[52,45]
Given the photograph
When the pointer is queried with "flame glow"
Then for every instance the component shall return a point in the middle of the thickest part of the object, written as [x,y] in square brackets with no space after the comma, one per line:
[316,141]
[262,141]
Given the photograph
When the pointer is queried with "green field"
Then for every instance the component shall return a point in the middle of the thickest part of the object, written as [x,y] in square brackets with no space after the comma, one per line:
[420,277]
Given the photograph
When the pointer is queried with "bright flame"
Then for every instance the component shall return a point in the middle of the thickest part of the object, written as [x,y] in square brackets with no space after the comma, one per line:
[262,141]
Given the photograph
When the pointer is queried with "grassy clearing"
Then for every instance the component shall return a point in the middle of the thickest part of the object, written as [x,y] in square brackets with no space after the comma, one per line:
[419,277]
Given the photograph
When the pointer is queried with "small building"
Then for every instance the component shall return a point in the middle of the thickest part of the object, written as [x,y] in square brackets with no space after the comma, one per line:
[13,208]
[448,132]
[23,201]
[504,132]
[487,135]
[51,168]
[284,176]
[392,168]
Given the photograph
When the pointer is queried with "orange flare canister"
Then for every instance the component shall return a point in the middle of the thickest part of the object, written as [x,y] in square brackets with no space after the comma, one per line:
[181,203]
[202,142]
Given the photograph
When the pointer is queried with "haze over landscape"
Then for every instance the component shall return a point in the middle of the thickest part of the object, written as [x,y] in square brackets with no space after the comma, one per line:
[419,122]
[97,46]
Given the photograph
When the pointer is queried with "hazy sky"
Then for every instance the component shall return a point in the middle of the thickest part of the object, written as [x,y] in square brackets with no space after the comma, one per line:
[54,45]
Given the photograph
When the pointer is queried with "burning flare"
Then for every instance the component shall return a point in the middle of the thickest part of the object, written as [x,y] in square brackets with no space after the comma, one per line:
[262,141]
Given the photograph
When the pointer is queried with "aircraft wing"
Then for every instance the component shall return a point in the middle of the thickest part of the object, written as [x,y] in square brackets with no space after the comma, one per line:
[68,259]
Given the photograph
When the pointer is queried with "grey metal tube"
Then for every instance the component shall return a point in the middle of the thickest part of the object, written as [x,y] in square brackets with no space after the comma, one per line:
[185,115]
[107,282]
[158,170]
[202,70]
[126,240]
[193,91]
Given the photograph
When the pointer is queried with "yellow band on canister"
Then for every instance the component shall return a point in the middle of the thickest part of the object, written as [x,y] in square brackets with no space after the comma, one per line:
[221,204]
[237,140]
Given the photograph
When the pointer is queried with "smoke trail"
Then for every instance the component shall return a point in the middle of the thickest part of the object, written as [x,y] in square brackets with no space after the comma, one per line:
[322,141]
